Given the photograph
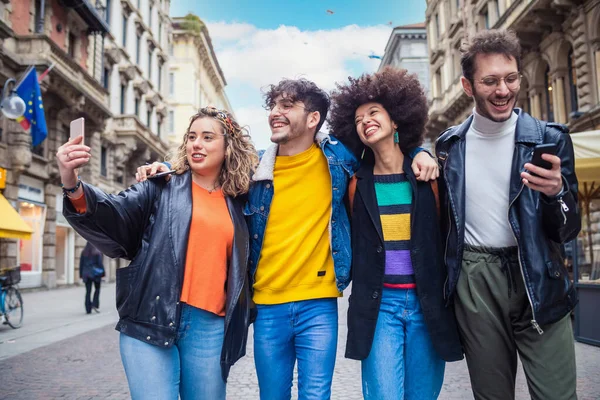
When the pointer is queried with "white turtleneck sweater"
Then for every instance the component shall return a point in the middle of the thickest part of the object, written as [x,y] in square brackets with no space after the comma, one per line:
[489,152]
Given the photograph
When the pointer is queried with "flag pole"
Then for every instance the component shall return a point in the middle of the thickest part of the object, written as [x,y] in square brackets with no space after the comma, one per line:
[46,72]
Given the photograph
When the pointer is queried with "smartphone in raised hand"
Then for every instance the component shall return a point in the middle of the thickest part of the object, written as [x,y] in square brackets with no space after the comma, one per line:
[547,148]
[77,129]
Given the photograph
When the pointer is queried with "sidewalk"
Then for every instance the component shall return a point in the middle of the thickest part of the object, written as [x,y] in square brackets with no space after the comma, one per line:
[54,315]
[59,347]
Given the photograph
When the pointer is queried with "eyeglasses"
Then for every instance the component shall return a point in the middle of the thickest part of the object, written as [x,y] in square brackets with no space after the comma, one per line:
[284,106]
[512,81]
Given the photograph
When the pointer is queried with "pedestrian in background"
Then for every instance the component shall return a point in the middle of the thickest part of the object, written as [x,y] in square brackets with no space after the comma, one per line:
[398,323]
[184,301]
[91,271]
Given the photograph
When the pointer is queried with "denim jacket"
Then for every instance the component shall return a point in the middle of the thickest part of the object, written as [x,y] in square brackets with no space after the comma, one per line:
[342,165]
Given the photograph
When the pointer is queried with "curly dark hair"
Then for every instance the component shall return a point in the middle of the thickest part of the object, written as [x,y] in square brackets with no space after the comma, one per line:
[491,41]
[313,97]
[399,92]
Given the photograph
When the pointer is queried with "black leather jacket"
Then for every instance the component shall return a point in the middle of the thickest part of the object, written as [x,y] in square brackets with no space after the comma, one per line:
[539,224]
[149,223]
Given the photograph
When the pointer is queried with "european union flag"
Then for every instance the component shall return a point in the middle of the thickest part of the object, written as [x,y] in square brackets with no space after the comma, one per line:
[29,91]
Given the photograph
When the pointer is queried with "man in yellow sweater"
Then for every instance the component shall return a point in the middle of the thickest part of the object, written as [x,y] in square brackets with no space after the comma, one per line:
[300,243]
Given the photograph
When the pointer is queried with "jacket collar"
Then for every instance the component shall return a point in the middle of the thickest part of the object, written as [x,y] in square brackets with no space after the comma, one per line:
[264,171]
[528,129]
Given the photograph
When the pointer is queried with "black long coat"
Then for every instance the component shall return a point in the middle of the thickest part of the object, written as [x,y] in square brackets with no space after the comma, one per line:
[368,267]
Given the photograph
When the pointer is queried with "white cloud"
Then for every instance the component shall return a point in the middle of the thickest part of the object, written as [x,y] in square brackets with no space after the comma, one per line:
[255,57]
[255,117]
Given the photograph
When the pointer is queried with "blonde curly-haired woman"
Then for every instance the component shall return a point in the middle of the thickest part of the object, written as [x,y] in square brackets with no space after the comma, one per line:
[184,301]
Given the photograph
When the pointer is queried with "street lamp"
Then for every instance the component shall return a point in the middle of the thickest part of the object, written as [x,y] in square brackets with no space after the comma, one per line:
[12,106]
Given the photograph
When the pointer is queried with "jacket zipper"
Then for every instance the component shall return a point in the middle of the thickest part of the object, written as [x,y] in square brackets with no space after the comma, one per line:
[534,323]
[447,295]
[563,209]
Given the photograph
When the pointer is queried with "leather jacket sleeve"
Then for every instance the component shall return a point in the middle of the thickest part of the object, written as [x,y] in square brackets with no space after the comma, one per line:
[114,223]
[560,215]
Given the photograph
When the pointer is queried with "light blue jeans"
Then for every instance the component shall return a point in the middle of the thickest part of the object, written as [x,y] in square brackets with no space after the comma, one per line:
[303,330]
[402,363]
[191,368]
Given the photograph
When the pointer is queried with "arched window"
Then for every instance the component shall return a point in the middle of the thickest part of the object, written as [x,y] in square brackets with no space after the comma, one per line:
[549,102]
[572,81]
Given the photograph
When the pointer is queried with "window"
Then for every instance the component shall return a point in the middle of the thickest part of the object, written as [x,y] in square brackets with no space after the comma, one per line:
[160,67]
[137,106]
[107,12]
[150,65]
[171,121]
[106,78]
[437,26]
[71,44]
[139,4]
[39,149]
[171,49]
[171,84]
[438,83]
[572,81]
[150,16]
[158,126]
[138,44]
[160,33]
[39,17]
[149,116]
[486,19]
[124,38]
[549,100]
[123,98]
[103,161]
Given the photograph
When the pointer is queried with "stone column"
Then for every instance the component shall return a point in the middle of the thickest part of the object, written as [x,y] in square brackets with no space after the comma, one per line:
[560,104]
[49,251]
[597,55]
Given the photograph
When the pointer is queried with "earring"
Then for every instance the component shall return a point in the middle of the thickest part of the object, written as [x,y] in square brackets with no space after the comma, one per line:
[363,154]
[396,137]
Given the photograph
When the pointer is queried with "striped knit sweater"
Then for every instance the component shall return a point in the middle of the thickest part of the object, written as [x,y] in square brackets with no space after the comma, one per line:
[394,198]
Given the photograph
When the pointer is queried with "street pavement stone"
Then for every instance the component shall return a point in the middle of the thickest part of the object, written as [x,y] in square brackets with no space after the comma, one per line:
[88,366]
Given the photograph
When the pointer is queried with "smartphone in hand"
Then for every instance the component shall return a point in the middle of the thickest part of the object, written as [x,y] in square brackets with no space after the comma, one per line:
[547,148]
[77,129]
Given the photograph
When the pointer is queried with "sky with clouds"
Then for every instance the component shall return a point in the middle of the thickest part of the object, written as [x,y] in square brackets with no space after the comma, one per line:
[259,42]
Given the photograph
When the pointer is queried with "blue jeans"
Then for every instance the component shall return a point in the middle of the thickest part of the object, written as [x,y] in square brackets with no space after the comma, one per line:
[303,330]
[191,368]
[402,363]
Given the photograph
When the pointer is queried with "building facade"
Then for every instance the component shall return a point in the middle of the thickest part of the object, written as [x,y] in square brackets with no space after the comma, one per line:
[195,77]
[82,44]
[561,57]
[407,49]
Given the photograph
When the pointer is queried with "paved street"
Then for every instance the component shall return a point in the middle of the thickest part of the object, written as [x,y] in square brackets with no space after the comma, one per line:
[62,353]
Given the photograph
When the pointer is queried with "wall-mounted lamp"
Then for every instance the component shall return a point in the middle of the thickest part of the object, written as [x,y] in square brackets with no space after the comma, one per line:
[12,106]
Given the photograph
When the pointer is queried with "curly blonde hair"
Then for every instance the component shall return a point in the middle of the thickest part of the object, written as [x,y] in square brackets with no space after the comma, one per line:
[240,155]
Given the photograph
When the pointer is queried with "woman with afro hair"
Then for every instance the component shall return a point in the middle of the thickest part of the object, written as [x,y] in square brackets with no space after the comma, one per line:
[399,324]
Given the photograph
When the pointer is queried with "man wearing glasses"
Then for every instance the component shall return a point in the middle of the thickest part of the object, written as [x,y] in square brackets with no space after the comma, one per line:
[506,219]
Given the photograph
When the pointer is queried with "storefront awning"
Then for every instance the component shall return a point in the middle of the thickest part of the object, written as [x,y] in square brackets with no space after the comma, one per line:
[11,224]
[587,156]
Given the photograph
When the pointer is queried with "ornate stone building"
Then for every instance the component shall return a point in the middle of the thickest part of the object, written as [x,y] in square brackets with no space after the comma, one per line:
[407,49]
[195,77]
[95,75]
[561,61]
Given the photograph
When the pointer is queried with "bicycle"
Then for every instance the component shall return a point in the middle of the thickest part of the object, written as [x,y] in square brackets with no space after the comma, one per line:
[11,302]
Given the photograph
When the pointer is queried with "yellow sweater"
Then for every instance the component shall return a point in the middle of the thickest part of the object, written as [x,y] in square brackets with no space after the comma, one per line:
[295,261]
